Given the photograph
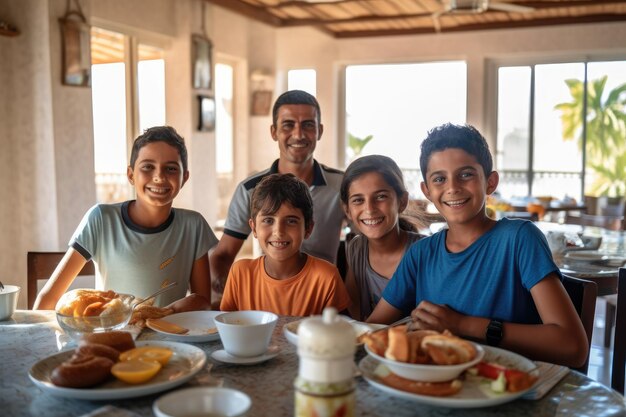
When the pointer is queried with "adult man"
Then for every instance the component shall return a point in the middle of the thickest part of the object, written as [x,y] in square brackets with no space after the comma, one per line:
[296,127]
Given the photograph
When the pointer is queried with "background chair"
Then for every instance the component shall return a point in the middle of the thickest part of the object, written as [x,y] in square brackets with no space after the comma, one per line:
[583,294]
[619,341]
[605,222]
[41,265]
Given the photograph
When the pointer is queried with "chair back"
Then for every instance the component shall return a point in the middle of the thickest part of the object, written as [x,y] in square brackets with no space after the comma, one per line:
[605,222]
[41,265]
[619,340]
[583,294]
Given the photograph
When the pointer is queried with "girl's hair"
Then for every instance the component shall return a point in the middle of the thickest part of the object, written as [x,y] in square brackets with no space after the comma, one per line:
[391,173]
[275,190]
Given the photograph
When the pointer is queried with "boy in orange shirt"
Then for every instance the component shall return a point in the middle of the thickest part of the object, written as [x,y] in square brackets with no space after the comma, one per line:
[285,280]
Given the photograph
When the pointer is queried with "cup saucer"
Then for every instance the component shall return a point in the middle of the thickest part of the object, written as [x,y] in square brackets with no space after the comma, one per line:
[223,356]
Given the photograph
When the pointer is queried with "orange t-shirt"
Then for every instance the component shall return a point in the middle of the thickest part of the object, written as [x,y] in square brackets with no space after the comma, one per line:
[316,286]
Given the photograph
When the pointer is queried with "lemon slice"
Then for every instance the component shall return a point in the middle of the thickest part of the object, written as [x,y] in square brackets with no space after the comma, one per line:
[136,371]
[153,353]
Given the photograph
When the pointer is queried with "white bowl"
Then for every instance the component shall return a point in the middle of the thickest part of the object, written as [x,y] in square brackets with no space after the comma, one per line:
[8,301]
[246,333]
[428,373]
[290,330]
[201,401]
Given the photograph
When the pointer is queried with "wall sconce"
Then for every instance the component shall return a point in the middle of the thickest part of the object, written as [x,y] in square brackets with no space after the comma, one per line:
[76,39]
[262,86]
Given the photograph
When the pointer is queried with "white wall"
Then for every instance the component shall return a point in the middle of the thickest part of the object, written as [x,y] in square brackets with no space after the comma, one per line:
[28,208]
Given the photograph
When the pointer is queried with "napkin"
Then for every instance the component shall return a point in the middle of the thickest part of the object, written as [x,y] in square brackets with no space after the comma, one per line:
[64,340]
[110,411]
[549,375]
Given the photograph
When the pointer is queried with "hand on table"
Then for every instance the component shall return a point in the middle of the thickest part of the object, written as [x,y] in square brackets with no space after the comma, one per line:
[439,317]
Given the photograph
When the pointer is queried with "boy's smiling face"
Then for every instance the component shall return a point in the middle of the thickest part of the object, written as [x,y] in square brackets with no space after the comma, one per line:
[280,234]
[456,185]
[158,174]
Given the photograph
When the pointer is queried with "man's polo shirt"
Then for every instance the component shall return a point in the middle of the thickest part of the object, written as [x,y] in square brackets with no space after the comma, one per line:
[327,210]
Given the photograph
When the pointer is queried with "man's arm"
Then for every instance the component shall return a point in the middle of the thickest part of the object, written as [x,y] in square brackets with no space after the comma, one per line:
[221,259]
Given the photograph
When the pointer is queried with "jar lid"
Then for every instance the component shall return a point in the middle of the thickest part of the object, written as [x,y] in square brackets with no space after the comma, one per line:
[326,337]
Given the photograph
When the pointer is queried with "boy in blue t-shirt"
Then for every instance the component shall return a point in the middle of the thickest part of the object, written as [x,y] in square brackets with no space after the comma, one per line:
[491,281]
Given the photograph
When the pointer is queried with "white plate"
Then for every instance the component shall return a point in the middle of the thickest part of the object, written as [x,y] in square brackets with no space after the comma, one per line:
[290,330]
[198,323]
[475,392]
[223,356]
[186,361]
[585,255]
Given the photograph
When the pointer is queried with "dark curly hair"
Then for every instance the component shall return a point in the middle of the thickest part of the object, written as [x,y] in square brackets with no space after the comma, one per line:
[464,137]
[165,134]
[276,189]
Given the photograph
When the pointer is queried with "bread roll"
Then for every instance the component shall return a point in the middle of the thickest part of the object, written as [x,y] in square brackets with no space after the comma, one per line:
[398,349]
[119,340]
[446,349]
[97,349]
[82,371]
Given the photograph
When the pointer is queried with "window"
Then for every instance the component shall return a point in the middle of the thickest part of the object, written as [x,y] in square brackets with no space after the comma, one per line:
[120,113]
[397,105]
[302,79]
[224,158]
[544,144]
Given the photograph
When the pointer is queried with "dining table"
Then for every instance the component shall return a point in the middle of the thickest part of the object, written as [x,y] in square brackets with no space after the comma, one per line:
[31,336]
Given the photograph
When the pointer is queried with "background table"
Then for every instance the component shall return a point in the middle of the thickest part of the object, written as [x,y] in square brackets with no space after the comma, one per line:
[30,337]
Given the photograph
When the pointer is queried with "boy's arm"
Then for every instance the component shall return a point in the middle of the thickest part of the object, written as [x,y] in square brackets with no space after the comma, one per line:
[221,259]
[560,339]
[200,283]
[62,277]
[384,313]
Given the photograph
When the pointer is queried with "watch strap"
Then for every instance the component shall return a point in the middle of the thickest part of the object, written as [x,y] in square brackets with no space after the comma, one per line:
[495,332]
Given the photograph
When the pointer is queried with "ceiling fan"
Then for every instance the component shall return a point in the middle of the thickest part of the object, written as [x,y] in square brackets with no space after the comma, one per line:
[479,6]
[475,7]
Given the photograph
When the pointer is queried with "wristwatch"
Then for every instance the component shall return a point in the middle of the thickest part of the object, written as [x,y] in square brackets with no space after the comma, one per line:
[494,333]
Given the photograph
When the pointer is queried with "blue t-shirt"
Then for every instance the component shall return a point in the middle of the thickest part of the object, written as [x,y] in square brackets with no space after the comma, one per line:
[491,278]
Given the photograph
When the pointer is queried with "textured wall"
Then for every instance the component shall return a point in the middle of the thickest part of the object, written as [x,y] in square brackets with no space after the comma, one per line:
[29,215]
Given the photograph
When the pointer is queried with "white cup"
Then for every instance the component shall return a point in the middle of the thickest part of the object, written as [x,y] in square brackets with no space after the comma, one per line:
[8,301]
[202,401]
[246,333]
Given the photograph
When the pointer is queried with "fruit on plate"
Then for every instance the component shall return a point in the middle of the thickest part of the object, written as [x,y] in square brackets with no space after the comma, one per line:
[136,371]
[153,353]
[505,379]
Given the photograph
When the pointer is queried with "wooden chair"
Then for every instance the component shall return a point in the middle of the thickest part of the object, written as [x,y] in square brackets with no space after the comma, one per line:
[605,222]
[583,294]
[41,265]
[619,341]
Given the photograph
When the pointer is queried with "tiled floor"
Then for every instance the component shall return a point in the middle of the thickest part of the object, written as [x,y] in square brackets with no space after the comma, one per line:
[600,357]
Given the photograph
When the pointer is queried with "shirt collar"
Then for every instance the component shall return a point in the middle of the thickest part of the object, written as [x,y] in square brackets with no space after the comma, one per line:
[318,174]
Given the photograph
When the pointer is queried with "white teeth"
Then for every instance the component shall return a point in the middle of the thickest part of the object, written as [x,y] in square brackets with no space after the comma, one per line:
[278,244]
[158,190]
[456,203]
[298,145]
[372,222]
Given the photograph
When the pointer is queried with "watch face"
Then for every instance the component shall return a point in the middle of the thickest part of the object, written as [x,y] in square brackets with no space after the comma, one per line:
[494,332]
